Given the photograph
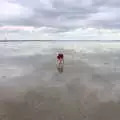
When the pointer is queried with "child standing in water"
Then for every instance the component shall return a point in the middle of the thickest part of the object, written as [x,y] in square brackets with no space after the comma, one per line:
[60,61]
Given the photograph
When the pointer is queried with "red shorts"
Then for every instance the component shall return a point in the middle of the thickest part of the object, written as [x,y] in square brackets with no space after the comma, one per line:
[60,57]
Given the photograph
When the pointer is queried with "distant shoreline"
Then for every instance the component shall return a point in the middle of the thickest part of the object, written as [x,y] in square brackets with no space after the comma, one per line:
[59,40]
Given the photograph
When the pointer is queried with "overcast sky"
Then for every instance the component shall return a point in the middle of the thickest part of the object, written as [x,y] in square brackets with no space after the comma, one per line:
[60,19]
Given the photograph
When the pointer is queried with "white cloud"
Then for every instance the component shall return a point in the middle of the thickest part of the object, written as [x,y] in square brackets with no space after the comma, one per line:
[11,11]
[45,33]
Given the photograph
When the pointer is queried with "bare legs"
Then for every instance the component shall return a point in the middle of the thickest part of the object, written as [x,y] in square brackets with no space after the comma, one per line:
[60,65]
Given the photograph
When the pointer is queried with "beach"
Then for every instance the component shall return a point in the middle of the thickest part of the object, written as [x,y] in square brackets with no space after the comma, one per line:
[31,88]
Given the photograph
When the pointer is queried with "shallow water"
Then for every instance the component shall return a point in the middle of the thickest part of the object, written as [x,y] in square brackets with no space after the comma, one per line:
[32,88]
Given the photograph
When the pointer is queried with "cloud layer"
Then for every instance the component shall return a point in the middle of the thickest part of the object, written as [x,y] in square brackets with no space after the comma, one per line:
[59,16]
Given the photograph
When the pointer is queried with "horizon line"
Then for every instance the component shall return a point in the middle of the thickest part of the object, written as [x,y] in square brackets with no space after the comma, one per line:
[59,40]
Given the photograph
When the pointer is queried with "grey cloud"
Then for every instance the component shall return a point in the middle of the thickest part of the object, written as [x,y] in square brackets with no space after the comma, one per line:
[106,24]
[113,3]
[64,14]
[109,3]
[56,16]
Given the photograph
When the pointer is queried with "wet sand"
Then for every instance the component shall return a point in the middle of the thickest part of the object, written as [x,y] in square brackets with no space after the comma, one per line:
[31,88]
